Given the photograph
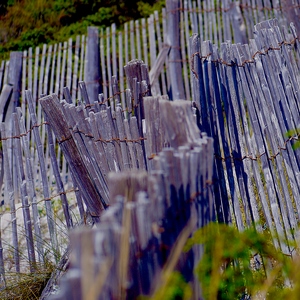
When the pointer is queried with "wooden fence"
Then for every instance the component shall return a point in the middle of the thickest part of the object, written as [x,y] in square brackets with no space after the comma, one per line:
[48,69]
[244,96]
[175,192]
[248,100]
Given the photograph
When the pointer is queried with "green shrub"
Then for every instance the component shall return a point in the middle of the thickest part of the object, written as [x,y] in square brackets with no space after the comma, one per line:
[238,264]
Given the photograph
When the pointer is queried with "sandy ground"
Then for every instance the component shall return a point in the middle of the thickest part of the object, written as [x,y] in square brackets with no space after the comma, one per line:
[6,234]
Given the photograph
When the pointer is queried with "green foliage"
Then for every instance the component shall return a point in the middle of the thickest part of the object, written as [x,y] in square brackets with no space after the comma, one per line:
[146,8]
[227,269]
[175,288]
[30,23]
[294,133]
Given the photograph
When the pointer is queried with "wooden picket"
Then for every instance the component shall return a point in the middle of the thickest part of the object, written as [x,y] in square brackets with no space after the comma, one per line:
[78,126]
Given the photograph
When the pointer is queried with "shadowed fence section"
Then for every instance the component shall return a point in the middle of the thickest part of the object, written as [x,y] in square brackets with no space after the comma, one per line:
[248,100]
[158,166]
[161,41]
[152,207]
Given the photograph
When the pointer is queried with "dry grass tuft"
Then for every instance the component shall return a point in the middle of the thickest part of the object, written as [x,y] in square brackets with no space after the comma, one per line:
[23,286]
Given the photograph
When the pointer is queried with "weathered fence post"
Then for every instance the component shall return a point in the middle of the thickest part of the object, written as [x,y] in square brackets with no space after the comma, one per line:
[10,198]
[238,25]
[53,110]
[92,74]
[5,96]
[15,76]
[175,64]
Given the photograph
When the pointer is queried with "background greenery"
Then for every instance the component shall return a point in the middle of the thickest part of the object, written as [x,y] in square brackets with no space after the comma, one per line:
[29,23]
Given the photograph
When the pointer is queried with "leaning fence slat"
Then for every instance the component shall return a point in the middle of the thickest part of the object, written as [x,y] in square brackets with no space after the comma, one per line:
[226,21]
[46,192]
[52,109]
[114,53]
[63,70]
[103,65]
[160,47]
[59,183]
[270,184]
[82,58]
[75,72]
[5,97]
[138,39]
[132,40]
[184,61]
[31,190]
[121,70]
[122,136]
[6,69]
[207,27]
[278,123]
[112,147]
[11,200]
[2,74]
[145,44]
[92,73]
[173,15]
[96,129]
[157,70]
[235,129]
[218,134]
[87,148]
[24,73]
[45,87]
[152,44]
[58,69]
[2,267]
[249,93]
[229,167]
[69,65]
[108,60]
[25,204]
[35,76]
[126,43]
[131,145]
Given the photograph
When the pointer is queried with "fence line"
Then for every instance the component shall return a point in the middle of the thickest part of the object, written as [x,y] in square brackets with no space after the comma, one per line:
[255,125]
[245,96]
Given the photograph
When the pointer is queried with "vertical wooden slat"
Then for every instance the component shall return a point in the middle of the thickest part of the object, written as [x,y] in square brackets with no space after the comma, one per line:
[75,73]
[2,74]
[138,39]
[145,45]
[103,65]
[23,85]
[30,179]
[59,183]
[69,64]
[160,46]
[11,200]
[108,60]
[114,50]
[45,184]
[35,76]
[126,42]
[173,17]
[121,70]
[82,58]
[25,203]
[41,74]
[132,40]
[63,70]
[92,74]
